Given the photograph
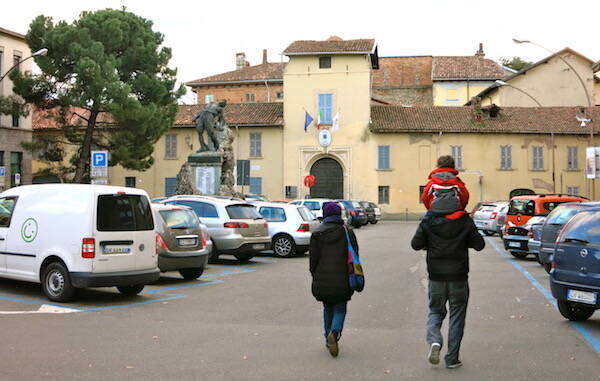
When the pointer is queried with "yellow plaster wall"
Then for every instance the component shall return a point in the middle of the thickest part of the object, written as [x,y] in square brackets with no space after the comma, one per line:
[457,93]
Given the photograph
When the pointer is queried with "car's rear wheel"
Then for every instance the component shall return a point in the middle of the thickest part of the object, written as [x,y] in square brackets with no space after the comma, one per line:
[518,254]
[574,312]
[191,274]
[56,283]
[547,266]
[284,245]
[489,233]
[243,257]
[214,254]
[131,290]
[374,222]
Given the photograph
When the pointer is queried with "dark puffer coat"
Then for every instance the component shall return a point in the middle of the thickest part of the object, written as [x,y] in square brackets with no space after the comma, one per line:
[328,262]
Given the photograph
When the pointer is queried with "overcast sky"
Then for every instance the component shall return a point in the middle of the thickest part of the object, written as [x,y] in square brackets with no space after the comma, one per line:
[205,35]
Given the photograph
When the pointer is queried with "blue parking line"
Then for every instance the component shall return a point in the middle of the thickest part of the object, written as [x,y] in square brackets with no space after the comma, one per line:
[585,333]
[33,301]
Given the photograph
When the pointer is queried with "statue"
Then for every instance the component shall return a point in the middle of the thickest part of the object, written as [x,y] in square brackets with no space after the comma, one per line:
[210,120]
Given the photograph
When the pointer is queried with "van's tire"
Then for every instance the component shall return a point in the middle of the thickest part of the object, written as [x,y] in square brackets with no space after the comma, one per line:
[574,312]
[56,283]
[191,274]
[547,266]
[489,233]
[518,254]
[374,222]
[214,254]
[131,290]
[284,246]
[243,257]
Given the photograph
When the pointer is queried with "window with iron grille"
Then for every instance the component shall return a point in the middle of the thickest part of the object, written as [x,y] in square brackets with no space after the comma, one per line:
[325,62]
[250,98]
[130,182]
[456,152]
[383,161]
[280,95]
[171,145]
[255,144]
[208,98]
[572,158]
[573,190]
[538,158]
[384,194]
[505,157]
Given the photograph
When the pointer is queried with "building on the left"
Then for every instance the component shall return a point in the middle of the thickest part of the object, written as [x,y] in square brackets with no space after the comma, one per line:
[14,129]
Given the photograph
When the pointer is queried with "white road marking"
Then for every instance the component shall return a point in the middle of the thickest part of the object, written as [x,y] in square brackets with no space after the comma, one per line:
[44,309]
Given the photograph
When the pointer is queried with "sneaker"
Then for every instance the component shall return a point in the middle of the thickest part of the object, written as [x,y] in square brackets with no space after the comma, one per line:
[434,353]
[332,343]
[454,365]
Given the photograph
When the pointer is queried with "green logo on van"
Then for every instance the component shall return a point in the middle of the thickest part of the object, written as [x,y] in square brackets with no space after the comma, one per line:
[29,230]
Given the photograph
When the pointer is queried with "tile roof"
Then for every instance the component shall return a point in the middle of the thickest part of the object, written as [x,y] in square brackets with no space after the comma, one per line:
[256,73]
[463,67]
[403,71]
[560,120]
[236,114]
[331,46]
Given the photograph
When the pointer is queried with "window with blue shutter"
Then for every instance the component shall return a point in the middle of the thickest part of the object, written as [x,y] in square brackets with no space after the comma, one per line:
[170,184]
[383,157]
[325,108]
[256,185]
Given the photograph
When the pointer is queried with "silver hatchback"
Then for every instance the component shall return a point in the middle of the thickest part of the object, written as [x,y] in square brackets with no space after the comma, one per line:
[234,225]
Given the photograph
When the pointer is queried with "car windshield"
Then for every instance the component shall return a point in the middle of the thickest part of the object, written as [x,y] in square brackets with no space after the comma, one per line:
[127,212]
[562,215]
[524,207]
[356,204]
[584,226]
[180,219]
[306,214]
[242,212]
[312,205]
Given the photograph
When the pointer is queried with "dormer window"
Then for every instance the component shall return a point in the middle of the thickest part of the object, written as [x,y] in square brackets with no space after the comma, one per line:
[325,62]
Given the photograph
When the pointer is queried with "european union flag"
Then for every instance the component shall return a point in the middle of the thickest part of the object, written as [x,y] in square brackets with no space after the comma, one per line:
[307,120]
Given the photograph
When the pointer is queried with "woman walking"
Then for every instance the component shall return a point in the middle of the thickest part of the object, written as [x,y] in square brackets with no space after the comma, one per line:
[329,269]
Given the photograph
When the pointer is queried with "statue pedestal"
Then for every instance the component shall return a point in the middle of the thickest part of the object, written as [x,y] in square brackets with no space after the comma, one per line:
[206,171]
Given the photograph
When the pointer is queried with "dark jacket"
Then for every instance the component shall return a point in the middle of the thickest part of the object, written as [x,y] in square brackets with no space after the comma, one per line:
[447,242]
[329,262]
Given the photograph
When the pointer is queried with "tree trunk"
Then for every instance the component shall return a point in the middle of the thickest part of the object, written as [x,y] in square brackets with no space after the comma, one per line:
[83,165]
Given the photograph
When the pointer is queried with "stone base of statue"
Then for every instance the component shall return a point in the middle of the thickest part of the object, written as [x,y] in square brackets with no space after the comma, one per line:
[205,172]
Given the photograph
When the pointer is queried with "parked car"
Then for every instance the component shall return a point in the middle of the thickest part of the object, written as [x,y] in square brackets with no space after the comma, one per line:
[183,244]
[290,227]
[535,235]
[315,205]
[71,236]
[159,199]
[554,223]
[525,211]
[372,210]
[485,217]
[355,213]
[575,275]
[500,219]
[254,197]
[235,227]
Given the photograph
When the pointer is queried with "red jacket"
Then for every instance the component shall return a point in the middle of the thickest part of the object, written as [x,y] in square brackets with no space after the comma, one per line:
[445,177]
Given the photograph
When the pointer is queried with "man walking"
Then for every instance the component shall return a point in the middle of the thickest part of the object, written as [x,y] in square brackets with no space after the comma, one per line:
[447,240]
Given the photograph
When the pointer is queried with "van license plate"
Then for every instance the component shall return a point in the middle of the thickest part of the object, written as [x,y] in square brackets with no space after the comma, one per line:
[259,246]
[116,250]
[514,244]
[187,241]
[582,296]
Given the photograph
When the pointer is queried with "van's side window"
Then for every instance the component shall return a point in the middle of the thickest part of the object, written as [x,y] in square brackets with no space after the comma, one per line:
[7,205]
[124,213]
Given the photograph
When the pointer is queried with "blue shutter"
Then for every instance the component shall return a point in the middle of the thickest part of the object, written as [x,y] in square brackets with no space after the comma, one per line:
[256,185]
[325,106]
[384,157]
[170,183]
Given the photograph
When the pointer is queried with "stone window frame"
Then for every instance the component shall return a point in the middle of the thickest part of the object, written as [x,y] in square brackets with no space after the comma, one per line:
[383,194]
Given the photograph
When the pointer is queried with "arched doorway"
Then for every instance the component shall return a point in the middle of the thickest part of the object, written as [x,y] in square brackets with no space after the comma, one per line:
[329,179]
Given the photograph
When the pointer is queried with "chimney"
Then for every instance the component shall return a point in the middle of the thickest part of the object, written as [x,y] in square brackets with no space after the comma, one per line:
[264,56]
[240,60]
[480,52]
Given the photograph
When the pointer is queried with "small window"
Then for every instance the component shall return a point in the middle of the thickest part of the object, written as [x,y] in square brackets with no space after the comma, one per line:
[170,185]
[171,146]
[573,190]
[242,212]
[243,172]
[506,157]
[280,95]
[256,185]
[572,158]
[255,144]
[384,194]
[7,206]
[291,191]
[538,158]
[124,213]
[15,120]
[130,182]
[383,157]
[208,98]
[1,158]
[325,108]
[249,98]
[17,62]
[273,214]
[180,219]
[325,62]
[457,156]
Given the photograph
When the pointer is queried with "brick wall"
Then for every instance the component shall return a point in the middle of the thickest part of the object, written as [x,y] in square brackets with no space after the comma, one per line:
[237,93]
[409,96]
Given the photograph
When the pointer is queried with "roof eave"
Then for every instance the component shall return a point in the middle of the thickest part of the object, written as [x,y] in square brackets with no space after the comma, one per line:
[466,79]
[13,34]
[246,81]
[326,53]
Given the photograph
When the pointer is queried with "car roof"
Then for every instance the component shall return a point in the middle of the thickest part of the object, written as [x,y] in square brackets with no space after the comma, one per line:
[160,206]
[98,189]
[219,199]
[276,204]
[549,197]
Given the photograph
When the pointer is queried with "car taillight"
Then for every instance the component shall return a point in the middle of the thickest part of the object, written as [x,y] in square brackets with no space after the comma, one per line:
[530,234]
[234,225]
[160,244]
[88,248]
[353,212]
[266,225]
[205,238]
[304,228]
[494,215]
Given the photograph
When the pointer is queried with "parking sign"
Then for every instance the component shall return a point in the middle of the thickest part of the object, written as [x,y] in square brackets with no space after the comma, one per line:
[99,159]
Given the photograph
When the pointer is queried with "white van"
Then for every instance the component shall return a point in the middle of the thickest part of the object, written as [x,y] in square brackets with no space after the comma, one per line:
[70,236]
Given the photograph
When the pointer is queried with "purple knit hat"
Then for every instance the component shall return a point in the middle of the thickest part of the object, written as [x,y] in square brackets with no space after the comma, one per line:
[331,209]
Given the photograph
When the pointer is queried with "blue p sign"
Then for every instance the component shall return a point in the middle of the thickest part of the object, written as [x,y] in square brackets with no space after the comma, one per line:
[99,159]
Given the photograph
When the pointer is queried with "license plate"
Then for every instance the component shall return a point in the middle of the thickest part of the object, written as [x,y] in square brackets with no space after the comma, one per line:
[582,296]
[514,244]
[187,241]
[259,246]
[116,250]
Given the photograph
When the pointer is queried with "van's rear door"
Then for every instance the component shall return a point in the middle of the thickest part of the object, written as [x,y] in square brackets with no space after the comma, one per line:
[125,238]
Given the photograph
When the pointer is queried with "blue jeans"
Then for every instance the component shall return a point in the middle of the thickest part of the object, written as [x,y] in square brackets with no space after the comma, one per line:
[456,294]
[333,316]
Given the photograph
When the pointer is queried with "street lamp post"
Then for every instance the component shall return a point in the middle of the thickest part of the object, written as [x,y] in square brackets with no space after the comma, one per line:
[502,83]
[41,52]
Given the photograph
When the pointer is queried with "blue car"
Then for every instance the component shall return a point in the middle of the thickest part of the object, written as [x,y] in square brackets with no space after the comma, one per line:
[575,275]
[357,216]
